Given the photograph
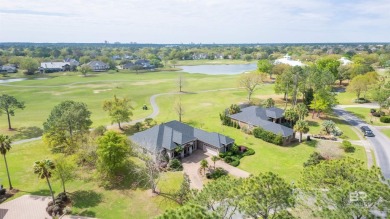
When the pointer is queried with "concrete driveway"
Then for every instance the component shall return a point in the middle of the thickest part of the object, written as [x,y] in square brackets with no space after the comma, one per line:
[29,207]
[191,165]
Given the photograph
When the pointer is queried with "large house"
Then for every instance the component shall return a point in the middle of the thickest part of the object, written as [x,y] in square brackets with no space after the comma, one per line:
[269,119]
[47,67]
[178,140]
[287,60]
[98,66]
[8,68]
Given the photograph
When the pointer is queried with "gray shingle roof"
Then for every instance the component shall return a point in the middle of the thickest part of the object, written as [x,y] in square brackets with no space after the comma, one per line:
[54,65]
[171,134]
[258,116]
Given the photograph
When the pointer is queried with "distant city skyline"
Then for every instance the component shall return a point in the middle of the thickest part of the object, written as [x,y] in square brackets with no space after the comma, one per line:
[194,21]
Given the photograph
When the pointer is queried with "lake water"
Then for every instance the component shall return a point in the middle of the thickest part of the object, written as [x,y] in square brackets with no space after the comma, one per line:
[219,69]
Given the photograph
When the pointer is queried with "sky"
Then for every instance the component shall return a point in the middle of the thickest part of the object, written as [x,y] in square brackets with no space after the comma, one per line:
[195,21]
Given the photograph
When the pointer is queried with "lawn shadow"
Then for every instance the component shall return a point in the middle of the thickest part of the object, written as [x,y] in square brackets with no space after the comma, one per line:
[86,198]
[28,132]
[359,115]
[85,213]
[313,123]
[42,192]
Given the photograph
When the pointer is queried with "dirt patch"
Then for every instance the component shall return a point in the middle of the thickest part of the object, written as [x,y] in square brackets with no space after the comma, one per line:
[99,91]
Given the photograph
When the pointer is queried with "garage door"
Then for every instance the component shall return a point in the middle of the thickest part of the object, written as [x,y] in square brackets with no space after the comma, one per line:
[211,151]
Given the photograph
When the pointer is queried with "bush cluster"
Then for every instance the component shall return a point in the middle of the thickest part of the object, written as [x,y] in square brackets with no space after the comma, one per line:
[175,165]
[226,120]
[217,173]
[361,100]
[314,159]
[347,147]
[268,136]
[378,114]
[385,119]
[234,155]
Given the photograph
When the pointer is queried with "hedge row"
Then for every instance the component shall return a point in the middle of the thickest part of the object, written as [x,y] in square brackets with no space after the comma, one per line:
[268,136]
[385,119]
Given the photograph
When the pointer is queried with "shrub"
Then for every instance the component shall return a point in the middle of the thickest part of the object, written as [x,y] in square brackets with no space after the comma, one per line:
[378,114]
[314,159]
[235,163]
[268,136]
[347,147]
[372,110]
[2,191]
[385,119]
[99,131]
[217,173]
[337,131]
[175,165]
[229,153]
[249,152]
[361,100]
[228,159]
[222,155]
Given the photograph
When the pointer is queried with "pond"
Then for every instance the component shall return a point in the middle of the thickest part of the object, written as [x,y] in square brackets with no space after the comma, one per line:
[219,69]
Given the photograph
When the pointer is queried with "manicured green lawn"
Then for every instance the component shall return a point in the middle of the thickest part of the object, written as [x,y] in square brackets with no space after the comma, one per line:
[89,198]
[364,114]
[346,98]
[315,125]
[386,132]
[40,96]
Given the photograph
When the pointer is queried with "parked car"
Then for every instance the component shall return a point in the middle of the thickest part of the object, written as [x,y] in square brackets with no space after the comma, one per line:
[367,131]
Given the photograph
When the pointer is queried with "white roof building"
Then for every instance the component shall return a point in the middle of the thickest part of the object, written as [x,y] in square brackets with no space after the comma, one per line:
[345,61]
[287,60]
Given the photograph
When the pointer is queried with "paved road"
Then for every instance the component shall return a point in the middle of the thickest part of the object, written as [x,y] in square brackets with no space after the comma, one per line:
[380,143]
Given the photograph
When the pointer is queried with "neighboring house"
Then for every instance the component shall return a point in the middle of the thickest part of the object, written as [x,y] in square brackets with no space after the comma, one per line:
[345,61]
[144,63]
[72,62]
[116,57]
[47,67]
[128,65]
[98,66]
[268,119]
[287,60]
[8,68]
[169,137]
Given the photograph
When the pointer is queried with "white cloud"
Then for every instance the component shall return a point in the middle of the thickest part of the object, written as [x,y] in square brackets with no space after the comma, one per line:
[207,21]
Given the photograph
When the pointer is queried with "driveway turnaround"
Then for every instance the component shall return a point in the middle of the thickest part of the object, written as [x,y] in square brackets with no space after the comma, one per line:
[191,166]
[29,207]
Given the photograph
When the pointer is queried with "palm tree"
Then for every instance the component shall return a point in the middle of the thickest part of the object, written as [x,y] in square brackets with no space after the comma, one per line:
[204,165]
[43,169]
[302,127]
[5,145]
[214,159]
[302,110]
[291,115]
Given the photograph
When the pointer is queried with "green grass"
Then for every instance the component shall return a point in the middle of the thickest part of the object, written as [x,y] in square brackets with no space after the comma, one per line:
[346,98]
[91,200]
[365,115]
[201,110]
[360,153]
[386,132]
[315,125]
